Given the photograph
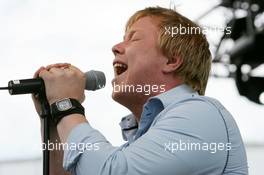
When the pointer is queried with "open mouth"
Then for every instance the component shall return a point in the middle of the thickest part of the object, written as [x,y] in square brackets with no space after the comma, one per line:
[119,68]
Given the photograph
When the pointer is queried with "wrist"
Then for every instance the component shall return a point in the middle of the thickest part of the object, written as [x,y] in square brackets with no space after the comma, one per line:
[54,100]
[64,108]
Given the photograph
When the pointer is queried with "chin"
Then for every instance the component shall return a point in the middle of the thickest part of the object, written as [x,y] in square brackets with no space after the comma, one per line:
[125,99]
[118,97]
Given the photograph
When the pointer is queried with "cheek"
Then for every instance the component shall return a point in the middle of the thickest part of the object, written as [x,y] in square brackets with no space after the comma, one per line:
[136,58]
[143,71]
[144,61]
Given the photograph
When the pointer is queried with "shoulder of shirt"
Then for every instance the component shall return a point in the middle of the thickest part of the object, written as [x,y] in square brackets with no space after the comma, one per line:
[185,95]
[192,104]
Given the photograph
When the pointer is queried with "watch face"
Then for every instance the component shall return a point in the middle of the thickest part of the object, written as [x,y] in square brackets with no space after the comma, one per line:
[64,105]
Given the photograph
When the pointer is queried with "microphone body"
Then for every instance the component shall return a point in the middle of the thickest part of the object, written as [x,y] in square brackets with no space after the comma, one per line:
[25,86]
[94,80]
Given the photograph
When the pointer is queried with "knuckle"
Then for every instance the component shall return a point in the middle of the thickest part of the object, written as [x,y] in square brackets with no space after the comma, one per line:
[70,73]
[42,74]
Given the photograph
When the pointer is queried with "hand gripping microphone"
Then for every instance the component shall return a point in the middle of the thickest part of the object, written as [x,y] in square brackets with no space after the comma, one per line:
[94,80]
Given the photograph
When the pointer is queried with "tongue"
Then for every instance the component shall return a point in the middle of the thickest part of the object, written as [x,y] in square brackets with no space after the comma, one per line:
[121,70]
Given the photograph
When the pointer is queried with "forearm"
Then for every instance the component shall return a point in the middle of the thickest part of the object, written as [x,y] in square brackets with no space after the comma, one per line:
[67,123]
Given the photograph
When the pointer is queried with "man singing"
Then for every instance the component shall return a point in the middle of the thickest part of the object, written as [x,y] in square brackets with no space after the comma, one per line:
[172,130]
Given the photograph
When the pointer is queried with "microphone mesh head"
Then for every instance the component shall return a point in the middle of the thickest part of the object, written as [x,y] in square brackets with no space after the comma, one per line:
[94,80]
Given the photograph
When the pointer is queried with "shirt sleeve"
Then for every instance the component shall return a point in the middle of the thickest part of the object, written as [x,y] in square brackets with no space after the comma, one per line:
[158,151]
[147,155]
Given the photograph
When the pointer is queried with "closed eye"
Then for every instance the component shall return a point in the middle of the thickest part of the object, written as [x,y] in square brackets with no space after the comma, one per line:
[132,36]
[135,39]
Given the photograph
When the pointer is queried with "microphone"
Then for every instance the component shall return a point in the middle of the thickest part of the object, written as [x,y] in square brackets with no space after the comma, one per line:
[94,80]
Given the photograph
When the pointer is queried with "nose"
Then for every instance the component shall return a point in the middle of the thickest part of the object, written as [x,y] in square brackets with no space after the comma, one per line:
[118,49]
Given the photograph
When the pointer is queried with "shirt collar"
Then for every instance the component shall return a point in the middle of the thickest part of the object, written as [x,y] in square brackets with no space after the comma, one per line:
[174,94]
[128,123]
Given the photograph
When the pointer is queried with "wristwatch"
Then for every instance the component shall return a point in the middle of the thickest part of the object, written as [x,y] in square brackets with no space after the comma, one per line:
[65,107]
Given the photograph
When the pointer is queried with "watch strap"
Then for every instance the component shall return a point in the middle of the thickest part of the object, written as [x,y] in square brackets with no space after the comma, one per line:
[57,115]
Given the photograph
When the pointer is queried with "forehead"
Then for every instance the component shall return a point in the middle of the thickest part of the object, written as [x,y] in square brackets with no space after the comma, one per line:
[147,24]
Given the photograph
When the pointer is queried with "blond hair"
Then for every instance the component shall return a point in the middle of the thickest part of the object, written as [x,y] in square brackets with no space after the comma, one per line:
[193,49]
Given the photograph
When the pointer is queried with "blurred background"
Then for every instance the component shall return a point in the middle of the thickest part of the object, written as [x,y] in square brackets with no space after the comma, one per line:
[34,33]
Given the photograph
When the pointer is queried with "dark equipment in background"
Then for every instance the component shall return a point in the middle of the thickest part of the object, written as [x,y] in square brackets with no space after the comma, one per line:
[248,48]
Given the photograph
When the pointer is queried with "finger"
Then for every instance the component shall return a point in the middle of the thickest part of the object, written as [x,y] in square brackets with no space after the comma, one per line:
[83,98]
[75,69]
[58,65]
[35,96]
[36,74]
[45,74]
[55,70]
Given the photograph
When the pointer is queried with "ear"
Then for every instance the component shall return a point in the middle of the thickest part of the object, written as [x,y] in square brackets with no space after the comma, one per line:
[172,65]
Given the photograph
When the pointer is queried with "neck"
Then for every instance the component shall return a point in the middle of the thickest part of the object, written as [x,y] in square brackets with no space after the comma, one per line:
[135,104]
[137,111]
[136,108]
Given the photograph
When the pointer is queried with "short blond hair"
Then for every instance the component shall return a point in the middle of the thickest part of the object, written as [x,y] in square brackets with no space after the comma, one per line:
[193,49]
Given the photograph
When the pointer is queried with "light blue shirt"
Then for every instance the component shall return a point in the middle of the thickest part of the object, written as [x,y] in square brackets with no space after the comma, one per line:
[179,133]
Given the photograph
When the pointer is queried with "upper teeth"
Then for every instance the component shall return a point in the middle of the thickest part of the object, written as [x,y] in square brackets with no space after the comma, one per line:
[120,65]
